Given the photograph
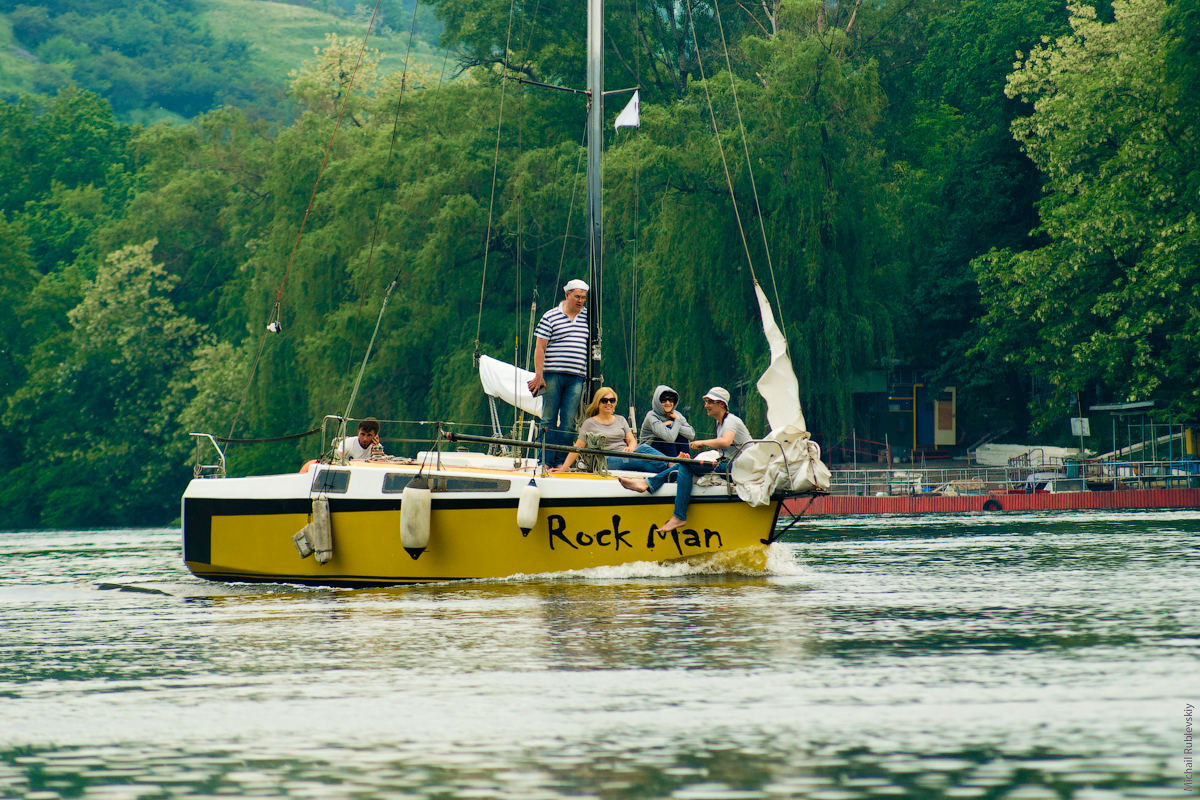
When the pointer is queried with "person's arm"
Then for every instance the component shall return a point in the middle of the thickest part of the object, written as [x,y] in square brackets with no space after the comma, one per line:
[661,429]
[570,459]
[683,428]
[630,441]
[539,362]
[720,443]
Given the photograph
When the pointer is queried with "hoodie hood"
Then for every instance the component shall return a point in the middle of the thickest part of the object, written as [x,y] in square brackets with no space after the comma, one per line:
[656,403]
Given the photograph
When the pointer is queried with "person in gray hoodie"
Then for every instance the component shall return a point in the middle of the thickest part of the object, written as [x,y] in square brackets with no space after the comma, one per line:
[664,428]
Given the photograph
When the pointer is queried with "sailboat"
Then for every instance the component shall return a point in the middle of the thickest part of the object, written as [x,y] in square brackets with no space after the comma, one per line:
[448,516]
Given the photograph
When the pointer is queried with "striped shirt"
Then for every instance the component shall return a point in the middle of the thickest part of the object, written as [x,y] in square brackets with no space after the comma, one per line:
[567,341]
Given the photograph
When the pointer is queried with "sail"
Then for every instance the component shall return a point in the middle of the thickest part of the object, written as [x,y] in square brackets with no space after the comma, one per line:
[510,384]
[787,458]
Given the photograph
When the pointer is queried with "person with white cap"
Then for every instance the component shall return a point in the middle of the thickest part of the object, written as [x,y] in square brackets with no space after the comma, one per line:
[731,434]
[560,365]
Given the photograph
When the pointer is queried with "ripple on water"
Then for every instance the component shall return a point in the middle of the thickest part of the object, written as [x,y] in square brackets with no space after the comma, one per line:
[1002,657]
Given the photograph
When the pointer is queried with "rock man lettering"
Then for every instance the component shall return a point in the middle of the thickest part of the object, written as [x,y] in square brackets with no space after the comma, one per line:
[691,538]
[614,537]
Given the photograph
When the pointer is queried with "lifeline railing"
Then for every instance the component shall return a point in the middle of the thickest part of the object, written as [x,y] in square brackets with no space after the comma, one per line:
[201,470]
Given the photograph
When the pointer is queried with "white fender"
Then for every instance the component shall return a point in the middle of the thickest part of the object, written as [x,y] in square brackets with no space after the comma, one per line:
[527,508]
[316,536]
[414,517]
[322,531]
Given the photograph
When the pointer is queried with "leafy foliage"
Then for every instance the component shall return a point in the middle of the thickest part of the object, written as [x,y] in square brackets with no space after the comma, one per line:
[139,54]
[885,207]
[1109,300]
[96,412]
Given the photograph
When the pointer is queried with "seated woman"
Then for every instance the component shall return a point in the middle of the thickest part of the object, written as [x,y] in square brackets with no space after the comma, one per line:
[618,437]
[664,428]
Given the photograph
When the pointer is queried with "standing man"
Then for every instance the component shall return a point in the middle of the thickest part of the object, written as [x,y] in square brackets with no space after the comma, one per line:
[560,365]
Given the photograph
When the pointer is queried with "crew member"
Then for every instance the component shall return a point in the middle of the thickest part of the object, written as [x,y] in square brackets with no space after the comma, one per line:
[560,365]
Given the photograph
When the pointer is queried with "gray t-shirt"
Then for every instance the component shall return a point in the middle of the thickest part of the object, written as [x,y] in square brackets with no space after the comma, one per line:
[614,433]
[741,435]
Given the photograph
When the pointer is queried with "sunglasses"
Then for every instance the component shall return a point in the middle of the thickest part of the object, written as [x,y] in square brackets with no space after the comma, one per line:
[666,398]
[608,399]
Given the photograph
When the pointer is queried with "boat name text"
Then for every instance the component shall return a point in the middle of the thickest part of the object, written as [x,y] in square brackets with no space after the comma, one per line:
[556,526]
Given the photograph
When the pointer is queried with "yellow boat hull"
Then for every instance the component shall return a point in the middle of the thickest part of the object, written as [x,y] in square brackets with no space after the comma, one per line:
[583,522]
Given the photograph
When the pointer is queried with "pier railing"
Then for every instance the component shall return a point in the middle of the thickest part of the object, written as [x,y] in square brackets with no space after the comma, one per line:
[973,479]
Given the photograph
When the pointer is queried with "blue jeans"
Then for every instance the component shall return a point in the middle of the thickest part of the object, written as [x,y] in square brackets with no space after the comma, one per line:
[636,464]
[560,398]
[683,481]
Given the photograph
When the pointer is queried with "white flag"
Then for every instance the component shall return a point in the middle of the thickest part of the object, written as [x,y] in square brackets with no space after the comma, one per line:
[629,117]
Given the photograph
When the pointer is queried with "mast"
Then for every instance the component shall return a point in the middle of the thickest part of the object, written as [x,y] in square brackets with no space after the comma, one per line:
[595,142]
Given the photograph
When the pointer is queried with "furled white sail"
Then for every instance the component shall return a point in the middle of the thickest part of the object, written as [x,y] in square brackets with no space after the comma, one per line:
[510,384]
[787,458]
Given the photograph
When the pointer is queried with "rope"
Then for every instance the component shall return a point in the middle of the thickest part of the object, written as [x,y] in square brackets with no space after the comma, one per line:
[273,322]
[720,148]
[749,165]
[386,167]
[268,441]
[487,240]
[262,342]
[571,208]
[362,369]
[328,147]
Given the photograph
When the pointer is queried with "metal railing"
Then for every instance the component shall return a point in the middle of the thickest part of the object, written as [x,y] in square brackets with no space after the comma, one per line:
[1095,475]
[199,468]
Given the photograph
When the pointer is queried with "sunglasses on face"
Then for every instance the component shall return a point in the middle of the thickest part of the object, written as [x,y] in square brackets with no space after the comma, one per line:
[669,399]
[608,399]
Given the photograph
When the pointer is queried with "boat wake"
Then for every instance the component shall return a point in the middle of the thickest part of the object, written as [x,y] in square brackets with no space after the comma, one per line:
[763,561]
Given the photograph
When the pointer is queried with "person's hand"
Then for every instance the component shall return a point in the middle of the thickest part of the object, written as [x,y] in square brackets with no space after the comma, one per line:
[629,448]
[535,383]
[559,468]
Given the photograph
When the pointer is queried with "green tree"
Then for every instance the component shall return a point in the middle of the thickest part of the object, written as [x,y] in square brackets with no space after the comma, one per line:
[97,414]
[1108,302]
[968,189]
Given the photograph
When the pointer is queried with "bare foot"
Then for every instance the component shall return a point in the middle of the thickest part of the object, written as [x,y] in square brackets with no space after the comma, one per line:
[672,524]
[634,484]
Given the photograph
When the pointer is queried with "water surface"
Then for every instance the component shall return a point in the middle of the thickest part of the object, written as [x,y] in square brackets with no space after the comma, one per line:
[992,656]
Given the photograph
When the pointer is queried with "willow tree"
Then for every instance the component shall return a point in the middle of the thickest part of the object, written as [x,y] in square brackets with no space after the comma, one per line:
[824,202]
[1108,303]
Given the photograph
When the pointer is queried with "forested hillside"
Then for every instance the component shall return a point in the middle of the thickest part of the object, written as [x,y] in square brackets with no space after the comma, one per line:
[1004,190]
[173,59]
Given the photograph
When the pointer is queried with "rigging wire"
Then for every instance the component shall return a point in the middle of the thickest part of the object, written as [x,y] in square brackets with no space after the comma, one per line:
[273,322]
[495,169]
[746,150]
[386,167]
[562,258]
[720,147]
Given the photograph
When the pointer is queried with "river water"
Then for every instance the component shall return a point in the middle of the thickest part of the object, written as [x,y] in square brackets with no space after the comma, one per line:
[988,656]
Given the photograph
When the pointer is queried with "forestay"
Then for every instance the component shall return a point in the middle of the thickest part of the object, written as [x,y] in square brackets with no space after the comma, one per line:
[787,458]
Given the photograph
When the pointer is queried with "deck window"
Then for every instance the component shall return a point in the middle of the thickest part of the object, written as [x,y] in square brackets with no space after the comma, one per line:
[396,481]
[331,481]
